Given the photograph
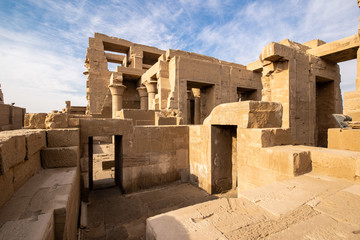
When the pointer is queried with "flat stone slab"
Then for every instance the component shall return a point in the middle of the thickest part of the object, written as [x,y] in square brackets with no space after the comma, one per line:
[306,207]
[283,197]
[34,228]
[32,207]
[321,227]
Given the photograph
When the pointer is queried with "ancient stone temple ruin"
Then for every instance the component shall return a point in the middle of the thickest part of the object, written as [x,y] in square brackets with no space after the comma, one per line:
[178,145]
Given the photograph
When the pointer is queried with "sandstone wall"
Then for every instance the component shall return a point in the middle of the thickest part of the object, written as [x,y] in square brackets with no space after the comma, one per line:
[19,159]
[11,117]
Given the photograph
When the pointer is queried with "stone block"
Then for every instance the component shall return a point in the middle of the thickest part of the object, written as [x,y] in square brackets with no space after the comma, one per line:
[165,120]
[60,157]
[12,152]
[35,120]
[74,122]
[35,141]
[6,186]
[247,114]
[57,120]
[335,163]
[63,137]
[4,114]
[346,139]
[25,170]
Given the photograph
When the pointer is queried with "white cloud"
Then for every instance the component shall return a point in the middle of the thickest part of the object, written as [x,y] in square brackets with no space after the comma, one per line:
[43,42]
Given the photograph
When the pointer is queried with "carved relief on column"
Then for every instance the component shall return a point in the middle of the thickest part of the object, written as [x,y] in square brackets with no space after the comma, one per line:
[143,98]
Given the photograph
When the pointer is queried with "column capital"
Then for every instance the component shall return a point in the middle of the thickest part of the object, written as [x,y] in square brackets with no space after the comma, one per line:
[142,91]
[117,89]
[151,86]
[196,92]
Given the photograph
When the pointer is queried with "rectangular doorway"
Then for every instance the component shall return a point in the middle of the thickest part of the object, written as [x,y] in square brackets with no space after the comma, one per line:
[325,107]
[105,162]
[223,158]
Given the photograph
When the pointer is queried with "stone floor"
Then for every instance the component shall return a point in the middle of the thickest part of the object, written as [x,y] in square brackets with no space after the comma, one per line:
[115,216]
[305,207]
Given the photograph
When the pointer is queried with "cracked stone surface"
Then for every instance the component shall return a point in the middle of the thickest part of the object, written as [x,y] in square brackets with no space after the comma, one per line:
[305,207]
[112,215]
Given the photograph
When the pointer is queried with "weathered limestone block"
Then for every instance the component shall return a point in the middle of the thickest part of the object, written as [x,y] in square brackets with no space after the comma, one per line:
[266,137]
[74,122]
[35,141]
[275,51]
[335,163]
[35,120]
[6,186]
[248,114]
[25,170]
[60,157]
[104,127]
[346,139]
[164,120]
[57,120]
[12,152]
[352,105]
[63,137]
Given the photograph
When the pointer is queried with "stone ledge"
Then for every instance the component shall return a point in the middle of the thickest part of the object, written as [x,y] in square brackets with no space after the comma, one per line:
[34,205]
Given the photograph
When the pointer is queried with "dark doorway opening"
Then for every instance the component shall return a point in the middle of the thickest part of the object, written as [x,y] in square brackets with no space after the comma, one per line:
[201,101]
[223,155]
[105,162]
[325,107]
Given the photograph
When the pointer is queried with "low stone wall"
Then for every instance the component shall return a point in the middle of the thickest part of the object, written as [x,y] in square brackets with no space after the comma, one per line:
[19,159]
[43,203]
[262,160]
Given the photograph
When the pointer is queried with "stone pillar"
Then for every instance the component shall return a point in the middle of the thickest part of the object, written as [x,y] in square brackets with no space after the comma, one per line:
[197,112]
[136,57]
[189,94]
[143,98]
[117,91]
[151,88]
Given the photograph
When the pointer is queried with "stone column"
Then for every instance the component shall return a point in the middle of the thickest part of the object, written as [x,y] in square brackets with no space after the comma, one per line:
[117,91]
[143,98]
[189,93]
[151,88]
[196,92]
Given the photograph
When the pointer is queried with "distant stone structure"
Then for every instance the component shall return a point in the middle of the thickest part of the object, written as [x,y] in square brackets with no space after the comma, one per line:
[11,117]
[263,130]
[1,96]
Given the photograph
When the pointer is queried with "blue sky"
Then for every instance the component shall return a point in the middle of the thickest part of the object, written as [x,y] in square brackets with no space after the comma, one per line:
[43,43]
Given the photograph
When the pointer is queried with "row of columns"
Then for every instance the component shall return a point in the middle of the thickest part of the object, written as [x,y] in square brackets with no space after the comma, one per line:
[147,96]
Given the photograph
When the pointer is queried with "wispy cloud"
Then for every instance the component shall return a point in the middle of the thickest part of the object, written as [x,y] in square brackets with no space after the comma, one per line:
[43,42]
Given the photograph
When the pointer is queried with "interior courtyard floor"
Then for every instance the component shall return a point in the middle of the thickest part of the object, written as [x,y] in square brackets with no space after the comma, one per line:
[112,215]
[305,207]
